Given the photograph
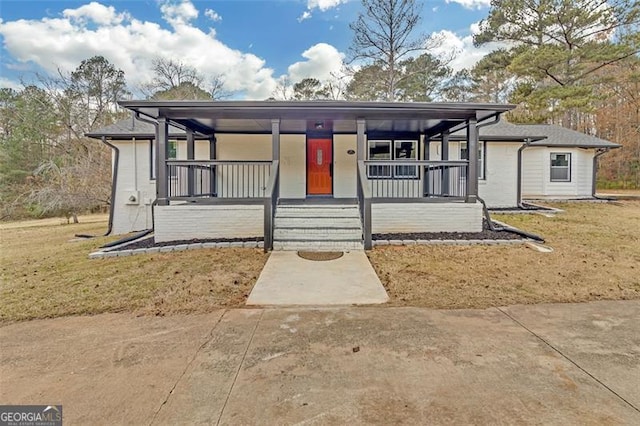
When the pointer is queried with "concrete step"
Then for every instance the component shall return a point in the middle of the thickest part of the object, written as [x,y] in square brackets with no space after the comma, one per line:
[312,213]
[318,222]
[318,245]
[317,234]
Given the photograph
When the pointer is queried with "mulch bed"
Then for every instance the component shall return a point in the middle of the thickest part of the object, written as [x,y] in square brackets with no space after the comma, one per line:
[525,207]
[486,234]
[150,242]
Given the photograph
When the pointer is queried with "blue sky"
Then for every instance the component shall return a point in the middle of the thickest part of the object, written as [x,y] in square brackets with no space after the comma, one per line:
[251,44]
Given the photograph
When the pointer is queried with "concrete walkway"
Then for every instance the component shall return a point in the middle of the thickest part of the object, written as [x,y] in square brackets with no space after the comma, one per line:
[548,364]
[288,279]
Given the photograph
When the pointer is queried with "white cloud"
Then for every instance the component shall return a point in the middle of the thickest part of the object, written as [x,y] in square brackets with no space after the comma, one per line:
[324,5]
[471,4]
[95,12]
[305,15]
[213,15]
[131,45]
[178,14]
[322,60]
[321,5]
[466,54]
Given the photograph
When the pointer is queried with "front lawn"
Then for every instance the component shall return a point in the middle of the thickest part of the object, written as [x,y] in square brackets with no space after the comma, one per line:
[596,256]
[46,275]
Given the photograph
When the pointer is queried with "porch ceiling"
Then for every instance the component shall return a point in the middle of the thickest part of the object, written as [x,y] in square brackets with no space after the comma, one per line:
[255,116]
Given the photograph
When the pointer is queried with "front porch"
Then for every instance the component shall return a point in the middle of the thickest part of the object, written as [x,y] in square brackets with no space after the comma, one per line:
[374,156]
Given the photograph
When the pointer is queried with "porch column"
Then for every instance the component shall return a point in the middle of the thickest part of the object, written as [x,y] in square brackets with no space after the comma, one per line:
[361,144]
[275,139]
[162,146]
[444,156]
[426,148]
[213,153]
[472,149]
[190,169]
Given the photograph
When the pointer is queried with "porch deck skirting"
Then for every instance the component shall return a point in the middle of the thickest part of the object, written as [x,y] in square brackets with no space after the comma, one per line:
[426,217]
[185,222]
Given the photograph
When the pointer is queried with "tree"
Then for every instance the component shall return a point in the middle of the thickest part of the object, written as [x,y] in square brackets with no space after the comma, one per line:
[309,89]
[175,80]
[383,36]
[459,88]
[559,46]
[423,78]
[366,84]
[491,79]
[184,90]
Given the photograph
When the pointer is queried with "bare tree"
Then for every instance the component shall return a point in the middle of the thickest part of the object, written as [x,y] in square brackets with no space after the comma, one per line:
[217,88]
[283,90]
[170,73]
[384,34]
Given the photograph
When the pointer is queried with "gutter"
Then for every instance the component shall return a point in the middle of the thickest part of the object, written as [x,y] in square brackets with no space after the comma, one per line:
[527,143]
[599,152]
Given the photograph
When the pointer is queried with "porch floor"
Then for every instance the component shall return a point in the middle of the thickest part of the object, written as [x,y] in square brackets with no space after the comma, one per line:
[288,279]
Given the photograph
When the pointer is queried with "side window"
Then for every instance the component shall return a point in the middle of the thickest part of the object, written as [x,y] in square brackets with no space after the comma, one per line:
[560,167]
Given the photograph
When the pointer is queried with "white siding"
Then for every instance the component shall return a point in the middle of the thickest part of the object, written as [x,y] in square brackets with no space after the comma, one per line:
[293,166]
[499,188]
[537,175]
[134,178]
[426,217]
[345,166]
[185,222]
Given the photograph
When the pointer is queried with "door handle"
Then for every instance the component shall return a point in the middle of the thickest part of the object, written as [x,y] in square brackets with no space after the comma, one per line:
[331,169]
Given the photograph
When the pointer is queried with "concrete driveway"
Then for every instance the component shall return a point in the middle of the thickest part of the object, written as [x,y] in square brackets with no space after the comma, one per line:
[544,364]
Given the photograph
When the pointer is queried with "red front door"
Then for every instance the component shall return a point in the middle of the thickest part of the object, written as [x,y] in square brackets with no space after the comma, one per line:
[319,167]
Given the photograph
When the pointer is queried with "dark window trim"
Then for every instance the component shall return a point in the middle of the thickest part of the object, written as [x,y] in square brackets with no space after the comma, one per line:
[551,166]
[395,137]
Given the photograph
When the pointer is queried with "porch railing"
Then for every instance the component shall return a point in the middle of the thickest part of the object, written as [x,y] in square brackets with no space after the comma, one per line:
[392,179]
[364,204]
[192,179]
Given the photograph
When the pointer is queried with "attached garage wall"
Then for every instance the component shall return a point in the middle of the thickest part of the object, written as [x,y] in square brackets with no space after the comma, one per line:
[426,217]
[184,222]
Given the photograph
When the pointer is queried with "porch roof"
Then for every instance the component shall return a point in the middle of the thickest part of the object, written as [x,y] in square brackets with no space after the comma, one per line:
[208,117]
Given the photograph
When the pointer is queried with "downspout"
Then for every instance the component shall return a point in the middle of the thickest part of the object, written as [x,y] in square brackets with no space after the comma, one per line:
[599,152]
[527,143]
[114,183]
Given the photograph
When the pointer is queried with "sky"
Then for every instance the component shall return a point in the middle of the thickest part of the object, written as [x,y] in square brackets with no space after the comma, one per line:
[252,44]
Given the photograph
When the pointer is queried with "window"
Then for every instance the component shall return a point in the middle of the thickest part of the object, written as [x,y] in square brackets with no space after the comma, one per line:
[560,167]
[403,150]
[464,155]
[172,155]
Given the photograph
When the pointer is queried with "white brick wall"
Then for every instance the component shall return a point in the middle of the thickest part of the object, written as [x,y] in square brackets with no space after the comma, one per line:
[185,222]
[426,217]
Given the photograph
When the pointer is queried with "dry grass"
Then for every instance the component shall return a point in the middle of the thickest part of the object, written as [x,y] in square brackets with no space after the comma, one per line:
[596,256]
[44,275]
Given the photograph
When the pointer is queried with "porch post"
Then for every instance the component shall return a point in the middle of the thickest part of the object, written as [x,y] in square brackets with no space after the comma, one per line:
[275,139]
[444,148]
[361,144]
[426,148]
[213,190]
[472,172]
[162,146]
[190,156]
[426,169]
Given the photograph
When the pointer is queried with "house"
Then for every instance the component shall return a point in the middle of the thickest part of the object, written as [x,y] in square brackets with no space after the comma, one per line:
[532,162]
[319,174]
